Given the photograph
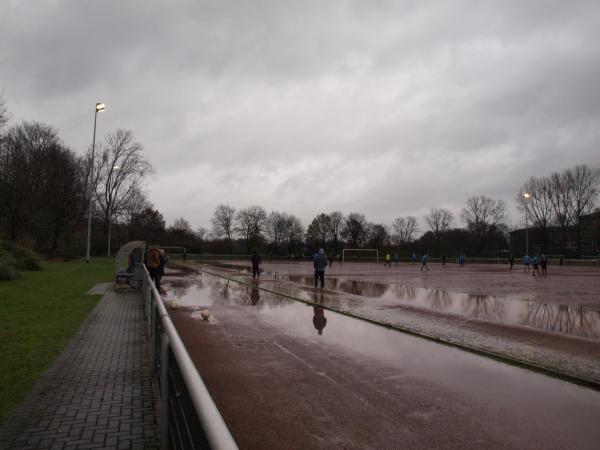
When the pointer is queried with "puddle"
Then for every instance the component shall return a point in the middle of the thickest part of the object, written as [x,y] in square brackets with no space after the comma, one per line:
[528,396]
[582,321]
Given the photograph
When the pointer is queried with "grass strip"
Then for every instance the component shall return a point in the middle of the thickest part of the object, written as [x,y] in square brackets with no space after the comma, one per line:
[39,313]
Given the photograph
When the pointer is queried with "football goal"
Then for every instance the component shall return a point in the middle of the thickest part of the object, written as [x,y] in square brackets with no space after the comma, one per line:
[358,254]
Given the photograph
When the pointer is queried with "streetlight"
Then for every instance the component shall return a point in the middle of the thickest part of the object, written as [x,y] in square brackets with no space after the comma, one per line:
[115,167]
[100,107]
[526,197]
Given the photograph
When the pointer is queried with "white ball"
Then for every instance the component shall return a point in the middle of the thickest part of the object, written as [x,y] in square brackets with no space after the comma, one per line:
[205,314]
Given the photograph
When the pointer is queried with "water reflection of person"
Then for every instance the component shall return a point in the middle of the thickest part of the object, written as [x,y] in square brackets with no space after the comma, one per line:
[319,319]
[254,295]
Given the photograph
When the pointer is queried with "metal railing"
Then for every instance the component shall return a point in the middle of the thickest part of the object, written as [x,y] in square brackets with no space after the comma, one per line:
[189,418]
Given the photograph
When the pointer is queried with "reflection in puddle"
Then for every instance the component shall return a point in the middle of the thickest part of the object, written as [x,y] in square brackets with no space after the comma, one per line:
[205,290]
[580,320]
[296,330]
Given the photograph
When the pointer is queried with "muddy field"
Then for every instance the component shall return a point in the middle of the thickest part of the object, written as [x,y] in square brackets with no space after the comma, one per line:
[287,370]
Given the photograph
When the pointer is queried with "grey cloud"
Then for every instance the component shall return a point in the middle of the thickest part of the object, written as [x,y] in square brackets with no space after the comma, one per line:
[383,107]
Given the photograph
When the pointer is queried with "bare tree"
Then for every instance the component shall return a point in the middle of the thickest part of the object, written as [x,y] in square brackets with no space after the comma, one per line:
[585,185]
[137,202]
[562,199]
[404,229]
[3,112]
[377,235]
[318,231]
[355,229]
[223,223]
[439,220]
[483,216]
[293,232]
[336,224]
[538,204]
[251,224]
[23,169]
[182,225]
[275,228]
[201,233]
[120,174]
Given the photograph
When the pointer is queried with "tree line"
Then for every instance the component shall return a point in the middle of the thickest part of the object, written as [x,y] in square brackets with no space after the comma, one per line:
[46,189]
[560,200]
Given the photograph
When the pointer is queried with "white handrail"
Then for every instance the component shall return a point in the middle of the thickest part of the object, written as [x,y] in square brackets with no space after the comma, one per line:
[215,429]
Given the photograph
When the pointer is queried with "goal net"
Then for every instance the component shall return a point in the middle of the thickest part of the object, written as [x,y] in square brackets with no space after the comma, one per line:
[360,254]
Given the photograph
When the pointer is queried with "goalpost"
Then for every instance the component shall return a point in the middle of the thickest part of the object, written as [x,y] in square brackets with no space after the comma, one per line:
[360,250]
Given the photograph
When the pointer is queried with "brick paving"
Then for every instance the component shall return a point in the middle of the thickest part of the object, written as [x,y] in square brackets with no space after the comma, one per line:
[99,393]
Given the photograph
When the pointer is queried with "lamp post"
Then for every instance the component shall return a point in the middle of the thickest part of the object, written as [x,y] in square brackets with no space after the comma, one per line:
[526,197]
[100,107]
[110,209]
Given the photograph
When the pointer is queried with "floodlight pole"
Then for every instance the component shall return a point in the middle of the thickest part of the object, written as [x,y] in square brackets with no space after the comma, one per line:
[99,108]
[526,197]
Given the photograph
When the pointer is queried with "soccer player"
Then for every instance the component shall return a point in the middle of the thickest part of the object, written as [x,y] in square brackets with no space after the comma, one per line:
[424,259]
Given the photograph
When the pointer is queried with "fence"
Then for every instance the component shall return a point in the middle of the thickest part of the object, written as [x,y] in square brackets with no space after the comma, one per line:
[189,418]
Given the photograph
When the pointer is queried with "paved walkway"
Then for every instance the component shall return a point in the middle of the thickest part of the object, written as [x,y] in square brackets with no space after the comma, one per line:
[99,393]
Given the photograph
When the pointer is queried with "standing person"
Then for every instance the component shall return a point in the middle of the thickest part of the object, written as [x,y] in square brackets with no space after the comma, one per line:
[535,261]
[320,262]
[396,259]
[388,260]
[511,261]
[424,259]
[526,263]
[162,254]
[256,262]
[544,262]
[461,260]
[330,260]
[413,258]
[153,264]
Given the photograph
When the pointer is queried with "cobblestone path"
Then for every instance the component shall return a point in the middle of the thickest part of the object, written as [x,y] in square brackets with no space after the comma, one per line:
[99,392]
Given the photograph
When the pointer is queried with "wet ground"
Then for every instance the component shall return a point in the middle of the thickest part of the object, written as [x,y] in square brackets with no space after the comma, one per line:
[288,374]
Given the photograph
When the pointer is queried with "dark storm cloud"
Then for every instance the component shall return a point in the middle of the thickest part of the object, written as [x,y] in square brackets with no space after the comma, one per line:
[388,107]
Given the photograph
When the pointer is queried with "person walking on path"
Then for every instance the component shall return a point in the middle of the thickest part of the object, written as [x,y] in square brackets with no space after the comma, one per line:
[424,259]
[511,261]
[388,260]
[461,260]
[535,261]
[256,262]
[396,259]
[544,263]
[320,262]
[526,263]
[413,258]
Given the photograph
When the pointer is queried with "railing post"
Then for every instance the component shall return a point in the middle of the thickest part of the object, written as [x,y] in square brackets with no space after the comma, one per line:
[164,391]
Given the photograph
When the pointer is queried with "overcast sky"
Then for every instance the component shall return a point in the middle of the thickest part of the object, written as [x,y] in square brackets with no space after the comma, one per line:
[382,107]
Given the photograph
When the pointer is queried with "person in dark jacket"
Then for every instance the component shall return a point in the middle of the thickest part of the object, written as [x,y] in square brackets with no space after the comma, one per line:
[320,262]
[256,261]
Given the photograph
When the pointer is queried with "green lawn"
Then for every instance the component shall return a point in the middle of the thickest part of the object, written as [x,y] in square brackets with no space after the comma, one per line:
[38,314]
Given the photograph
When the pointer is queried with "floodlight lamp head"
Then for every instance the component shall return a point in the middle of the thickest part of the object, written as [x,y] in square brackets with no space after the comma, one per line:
[100,107]
[526,195]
